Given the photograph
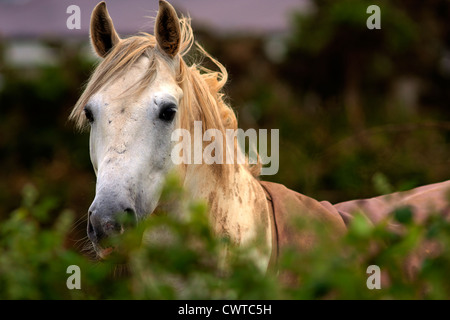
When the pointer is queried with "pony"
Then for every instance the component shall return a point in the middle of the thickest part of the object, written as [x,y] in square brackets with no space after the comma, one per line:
[140,93]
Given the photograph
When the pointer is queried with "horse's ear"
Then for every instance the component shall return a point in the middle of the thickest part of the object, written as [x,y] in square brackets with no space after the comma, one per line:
[103,34]
[167,29]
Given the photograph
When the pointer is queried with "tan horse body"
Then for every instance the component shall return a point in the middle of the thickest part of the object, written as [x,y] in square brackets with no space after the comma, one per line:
[288,205]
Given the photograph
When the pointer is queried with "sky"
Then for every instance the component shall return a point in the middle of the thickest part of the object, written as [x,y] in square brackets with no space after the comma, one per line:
[47,18]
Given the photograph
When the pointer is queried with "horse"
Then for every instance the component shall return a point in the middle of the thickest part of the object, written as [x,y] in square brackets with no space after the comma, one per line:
[139,94]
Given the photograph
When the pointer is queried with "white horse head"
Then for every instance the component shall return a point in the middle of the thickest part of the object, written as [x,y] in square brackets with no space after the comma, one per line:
[131,105]
[138,95]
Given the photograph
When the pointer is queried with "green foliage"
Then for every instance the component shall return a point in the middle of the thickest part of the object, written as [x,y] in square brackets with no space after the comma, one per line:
[179,258]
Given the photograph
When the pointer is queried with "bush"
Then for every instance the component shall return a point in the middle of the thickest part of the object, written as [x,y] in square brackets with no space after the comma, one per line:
[185,261]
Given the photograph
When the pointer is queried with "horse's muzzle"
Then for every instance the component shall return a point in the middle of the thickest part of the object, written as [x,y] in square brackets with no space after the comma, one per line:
[106,219]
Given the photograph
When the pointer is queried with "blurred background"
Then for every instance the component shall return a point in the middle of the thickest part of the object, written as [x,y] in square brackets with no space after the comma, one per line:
[360,112]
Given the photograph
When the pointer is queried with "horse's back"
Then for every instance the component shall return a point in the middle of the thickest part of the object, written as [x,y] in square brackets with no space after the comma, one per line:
[423,201]
[287,205]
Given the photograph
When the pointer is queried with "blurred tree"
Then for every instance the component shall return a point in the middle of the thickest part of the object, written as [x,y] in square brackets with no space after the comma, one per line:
[37,144]
[342,58]
[366,101]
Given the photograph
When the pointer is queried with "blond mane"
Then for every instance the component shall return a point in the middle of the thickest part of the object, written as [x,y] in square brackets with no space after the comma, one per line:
[203,99]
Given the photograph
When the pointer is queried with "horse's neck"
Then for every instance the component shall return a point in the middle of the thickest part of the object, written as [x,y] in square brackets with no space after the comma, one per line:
[237,202]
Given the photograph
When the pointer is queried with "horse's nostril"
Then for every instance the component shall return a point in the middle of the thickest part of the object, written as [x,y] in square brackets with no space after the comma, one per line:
[89,225]
[94,234]
[130,218]
[109,221]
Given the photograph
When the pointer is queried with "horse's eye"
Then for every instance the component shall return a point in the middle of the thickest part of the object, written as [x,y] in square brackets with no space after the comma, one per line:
[168,112]
[88,114]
